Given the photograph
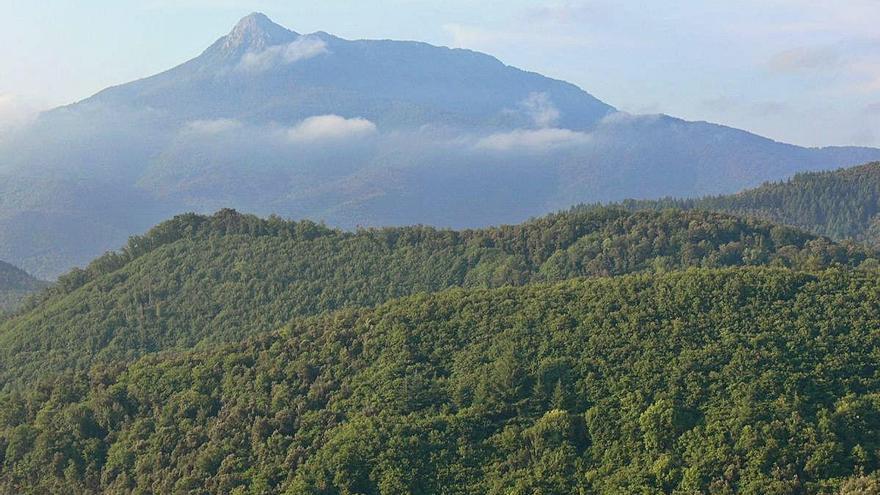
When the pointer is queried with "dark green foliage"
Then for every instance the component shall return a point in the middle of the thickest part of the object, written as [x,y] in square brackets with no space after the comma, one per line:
[841,204]
[199,280]
[748,380]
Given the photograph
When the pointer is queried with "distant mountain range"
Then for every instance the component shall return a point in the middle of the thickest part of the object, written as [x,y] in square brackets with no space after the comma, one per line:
[362,132]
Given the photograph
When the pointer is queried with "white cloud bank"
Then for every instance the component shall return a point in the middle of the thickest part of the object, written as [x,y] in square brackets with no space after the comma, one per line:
[303,48]
[314,132]
[330,131]
[330,128]
[532,140]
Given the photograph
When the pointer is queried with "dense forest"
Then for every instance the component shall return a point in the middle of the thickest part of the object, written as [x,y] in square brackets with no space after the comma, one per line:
[686,345]
[197,281]
[841,204]
[748,380]
[15,286]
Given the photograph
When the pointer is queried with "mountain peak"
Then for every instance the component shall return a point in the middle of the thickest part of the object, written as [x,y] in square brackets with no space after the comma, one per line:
[255,32]
[253,22]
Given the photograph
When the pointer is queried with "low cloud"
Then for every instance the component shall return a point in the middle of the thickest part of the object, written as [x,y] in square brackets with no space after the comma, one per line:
[303,48]
[330,128]
[541,110]
[547,139]
[313,134]
[211,127]
[626,118]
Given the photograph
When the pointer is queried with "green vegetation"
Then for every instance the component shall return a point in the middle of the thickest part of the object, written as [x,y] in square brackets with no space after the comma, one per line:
[841,204]
[199,280]
[15,286]
[748,380]
[599,350]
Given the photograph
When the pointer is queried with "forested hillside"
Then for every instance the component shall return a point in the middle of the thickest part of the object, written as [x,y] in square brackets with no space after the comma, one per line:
[748,380]
[841,204]
[198,280]
[15,285]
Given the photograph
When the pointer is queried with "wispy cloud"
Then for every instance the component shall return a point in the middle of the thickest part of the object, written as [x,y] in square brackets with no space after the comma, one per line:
[302,48]
[532,140]
[541,110]
[211,127]
[330,128]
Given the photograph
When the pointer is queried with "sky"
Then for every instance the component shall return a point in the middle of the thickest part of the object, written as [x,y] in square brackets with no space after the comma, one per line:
[800,71]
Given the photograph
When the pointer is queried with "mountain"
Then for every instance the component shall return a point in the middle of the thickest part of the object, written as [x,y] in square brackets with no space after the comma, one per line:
[355,133]
[843,204]
[197,281]
[15,285]
[754,380]
[261,72]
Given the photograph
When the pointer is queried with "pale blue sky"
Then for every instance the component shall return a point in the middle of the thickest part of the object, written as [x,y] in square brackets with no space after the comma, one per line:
[800,71]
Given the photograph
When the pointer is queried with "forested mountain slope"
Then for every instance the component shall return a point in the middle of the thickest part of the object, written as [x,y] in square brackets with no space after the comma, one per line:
[841,204]
[15,285]
[746,380]
[198,280]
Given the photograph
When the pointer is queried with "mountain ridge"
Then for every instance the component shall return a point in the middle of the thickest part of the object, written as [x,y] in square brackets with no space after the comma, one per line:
[197,281]
[352,132]
[843,204]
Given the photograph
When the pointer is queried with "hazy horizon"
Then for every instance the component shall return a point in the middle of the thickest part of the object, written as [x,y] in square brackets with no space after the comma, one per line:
[798,72]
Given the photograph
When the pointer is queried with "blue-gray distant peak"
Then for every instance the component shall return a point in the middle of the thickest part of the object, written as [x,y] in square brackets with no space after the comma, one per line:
[263,73]
[453,138]
[253,33]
